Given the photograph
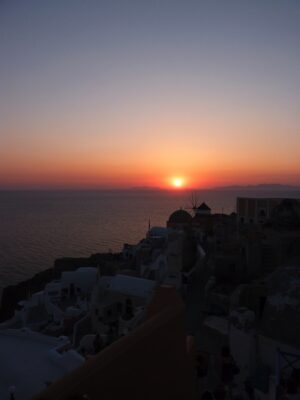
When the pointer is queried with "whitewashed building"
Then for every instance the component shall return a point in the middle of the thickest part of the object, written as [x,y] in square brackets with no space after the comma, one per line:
[31,361]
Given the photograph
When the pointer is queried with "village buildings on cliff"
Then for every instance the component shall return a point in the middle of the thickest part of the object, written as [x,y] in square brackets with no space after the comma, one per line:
[239,276]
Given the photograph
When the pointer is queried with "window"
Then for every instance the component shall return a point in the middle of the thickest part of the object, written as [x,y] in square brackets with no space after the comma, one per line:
[262,213]
[108,313]
[119,307]
[231,267]
[128,301]
[53,293]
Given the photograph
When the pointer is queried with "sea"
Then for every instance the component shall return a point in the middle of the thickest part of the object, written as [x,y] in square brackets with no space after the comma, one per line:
[36,227]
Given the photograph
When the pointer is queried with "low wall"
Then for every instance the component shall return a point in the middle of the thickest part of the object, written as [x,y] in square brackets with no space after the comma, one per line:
[149,363]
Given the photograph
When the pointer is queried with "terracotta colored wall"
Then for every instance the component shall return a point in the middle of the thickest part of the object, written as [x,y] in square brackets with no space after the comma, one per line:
[150,363]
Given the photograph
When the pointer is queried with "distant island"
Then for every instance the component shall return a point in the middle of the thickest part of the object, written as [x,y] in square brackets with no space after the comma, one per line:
[261,186]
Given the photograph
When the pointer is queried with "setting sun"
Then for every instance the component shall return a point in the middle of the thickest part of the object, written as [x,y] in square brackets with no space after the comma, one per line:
[178,182]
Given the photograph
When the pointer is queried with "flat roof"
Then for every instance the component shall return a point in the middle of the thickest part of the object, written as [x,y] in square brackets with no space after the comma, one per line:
[28,361]
[129,285]
[218,323]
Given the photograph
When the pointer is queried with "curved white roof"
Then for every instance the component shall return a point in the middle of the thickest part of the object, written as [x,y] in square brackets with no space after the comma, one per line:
[129,285]
[29,360]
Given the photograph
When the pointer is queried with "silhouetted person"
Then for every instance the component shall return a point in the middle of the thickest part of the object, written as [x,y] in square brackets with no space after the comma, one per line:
[110,336]
[262,302]
[184,282]
[98,343]
[128,313]
[291,385]
[229,367]
[296,376]
[249,389]
[12,391]
[201,366]
[72,290]
[220,393]
[117,326]
[128,301]
[207,396]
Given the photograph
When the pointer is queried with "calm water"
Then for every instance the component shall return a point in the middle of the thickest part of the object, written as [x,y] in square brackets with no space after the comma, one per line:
[37,227]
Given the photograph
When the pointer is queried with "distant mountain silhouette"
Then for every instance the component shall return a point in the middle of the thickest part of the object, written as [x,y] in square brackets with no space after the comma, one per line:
[144,188]
[261,186]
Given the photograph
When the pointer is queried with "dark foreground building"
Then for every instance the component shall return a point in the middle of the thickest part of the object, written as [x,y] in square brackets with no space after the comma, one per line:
[150,363]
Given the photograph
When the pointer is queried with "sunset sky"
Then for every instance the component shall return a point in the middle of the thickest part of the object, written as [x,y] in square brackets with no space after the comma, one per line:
[123,93]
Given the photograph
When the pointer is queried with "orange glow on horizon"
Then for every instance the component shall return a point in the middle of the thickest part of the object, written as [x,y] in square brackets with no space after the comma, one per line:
[221,157]
[182,169]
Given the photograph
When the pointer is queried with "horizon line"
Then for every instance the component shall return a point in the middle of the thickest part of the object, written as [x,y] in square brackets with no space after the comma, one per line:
[270,186]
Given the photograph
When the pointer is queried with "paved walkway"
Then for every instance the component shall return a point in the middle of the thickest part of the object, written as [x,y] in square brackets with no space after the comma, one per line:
[208,340]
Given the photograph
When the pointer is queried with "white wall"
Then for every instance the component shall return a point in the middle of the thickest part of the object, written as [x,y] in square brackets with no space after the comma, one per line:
[242,347]
[84,278]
